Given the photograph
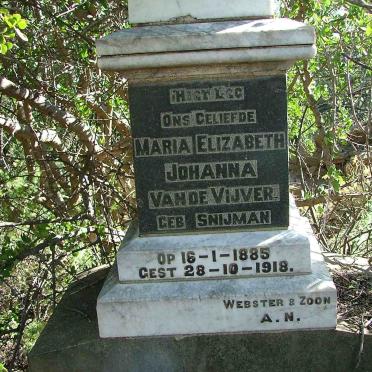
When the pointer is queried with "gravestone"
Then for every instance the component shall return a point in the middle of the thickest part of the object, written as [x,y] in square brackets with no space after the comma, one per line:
[219,246]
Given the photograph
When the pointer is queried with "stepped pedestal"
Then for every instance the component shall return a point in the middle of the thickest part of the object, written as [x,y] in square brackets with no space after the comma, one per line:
[218,247]
[259,304]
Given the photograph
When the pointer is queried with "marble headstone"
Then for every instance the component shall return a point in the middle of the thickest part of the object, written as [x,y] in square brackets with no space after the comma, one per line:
[219,247]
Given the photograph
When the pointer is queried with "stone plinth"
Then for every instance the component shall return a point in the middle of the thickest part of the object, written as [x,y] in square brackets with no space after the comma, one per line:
[219,306]
[148,11]
[70,342]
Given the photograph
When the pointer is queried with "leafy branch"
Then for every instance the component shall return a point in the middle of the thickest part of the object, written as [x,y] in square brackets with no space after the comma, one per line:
[10,27]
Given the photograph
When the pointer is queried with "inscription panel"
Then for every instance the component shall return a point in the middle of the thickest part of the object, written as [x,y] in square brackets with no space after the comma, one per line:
[211,155]
[201,263]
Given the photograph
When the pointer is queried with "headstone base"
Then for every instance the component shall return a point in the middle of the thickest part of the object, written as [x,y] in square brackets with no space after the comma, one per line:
[219,306]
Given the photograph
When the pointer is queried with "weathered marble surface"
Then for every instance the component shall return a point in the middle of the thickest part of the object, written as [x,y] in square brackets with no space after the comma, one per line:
[205,58]
[202,307]
[145,11]
[201,44]
[138,258]
[207,36]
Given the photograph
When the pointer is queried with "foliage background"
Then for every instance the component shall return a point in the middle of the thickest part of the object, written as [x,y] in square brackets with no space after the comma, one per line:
[66,180]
